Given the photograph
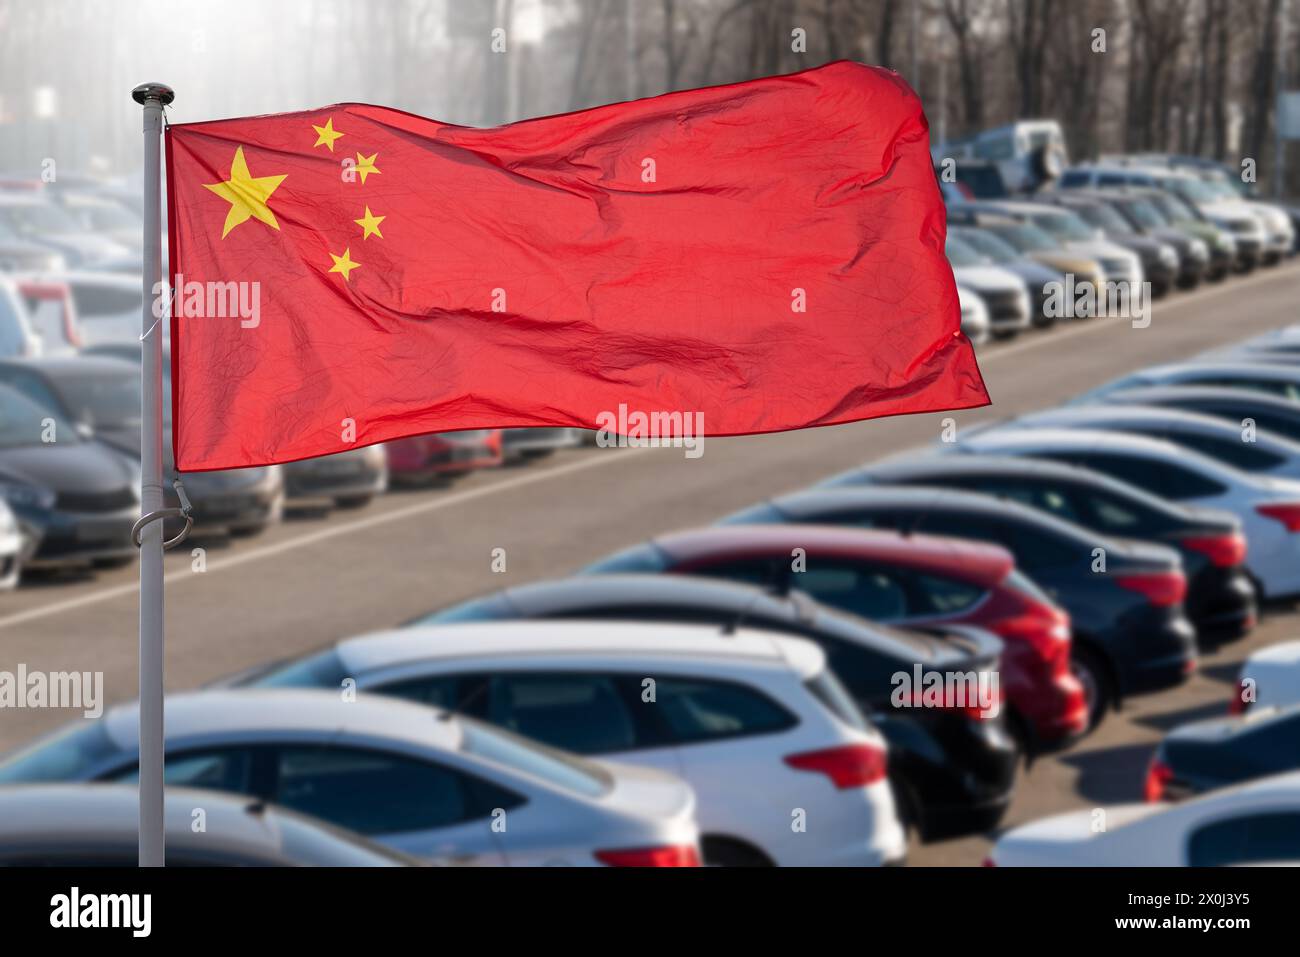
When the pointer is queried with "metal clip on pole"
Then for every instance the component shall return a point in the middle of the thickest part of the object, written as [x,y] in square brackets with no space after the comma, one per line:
[159,514]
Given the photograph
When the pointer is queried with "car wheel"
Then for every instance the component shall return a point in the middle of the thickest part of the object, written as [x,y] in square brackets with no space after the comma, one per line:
[354,501]
[728,852]
[1097,691]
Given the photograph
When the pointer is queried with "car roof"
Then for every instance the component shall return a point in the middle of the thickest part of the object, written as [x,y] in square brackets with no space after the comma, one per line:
[1117,412]
[1068,438]
[100,814]
[512,639]
[234,711]
[1154,392]
[981,562]
[542,596]
[1017,206]
[1250,370]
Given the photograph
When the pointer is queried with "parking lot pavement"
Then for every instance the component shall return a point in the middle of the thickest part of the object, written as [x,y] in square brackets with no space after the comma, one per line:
[305,583]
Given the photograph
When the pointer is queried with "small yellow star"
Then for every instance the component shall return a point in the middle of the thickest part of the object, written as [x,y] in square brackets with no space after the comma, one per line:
[370,224]
[344,263]
[325,135]
[366,166]
[246,194]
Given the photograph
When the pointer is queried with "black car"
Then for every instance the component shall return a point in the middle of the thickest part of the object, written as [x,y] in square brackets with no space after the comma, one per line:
[1271,412]
[1160,262]
[1220,752]
[1131,633]
[77,499]
[1221,600]
[952,774]
[100,394]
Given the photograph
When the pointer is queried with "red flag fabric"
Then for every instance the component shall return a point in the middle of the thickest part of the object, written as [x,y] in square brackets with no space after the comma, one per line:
[768,255]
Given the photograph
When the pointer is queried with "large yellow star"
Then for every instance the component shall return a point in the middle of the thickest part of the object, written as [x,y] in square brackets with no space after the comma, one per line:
[344,263]
[370,224]
[325,135]
[366,166]
[246,194]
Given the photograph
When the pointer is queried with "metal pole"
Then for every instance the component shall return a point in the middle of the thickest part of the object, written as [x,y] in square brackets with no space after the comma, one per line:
[153,97]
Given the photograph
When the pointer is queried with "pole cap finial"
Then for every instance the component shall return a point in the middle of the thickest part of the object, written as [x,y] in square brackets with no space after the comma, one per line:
[161,92]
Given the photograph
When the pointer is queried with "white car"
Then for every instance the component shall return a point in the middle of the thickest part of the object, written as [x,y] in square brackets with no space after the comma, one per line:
[1269,508]
[519,444]
[1256,823]
[1274,676]
[1074,236]
[16,546]
[1275,379]
[108,305]
[974,317]
[428,783]
[786,770]
[1005,294]
[1259,453]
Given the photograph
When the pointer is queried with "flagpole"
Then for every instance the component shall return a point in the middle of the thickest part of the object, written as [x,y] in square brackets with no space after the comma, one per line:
[153,97]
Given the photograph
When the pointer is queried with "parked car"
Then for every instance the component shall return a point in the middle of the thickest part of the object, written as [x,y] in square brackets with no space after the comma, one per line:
[108,306]
[1036,276]
[1151,208]
[1269,677]
[1254,824]
[1214,753]
[1279,380]
[348,479]
[100,398]
[1204,251]
[1031,242]
[927,749]
[1264,453]
[1160,262]
[428,785]
[98,825]
[1130,632]
[964,785]
[975,322]
[1220,597]
[755,723]
[30,217]
[1003,292]
[1269,508]
[1278,415]
[75,500]
[421,459]
[519,444]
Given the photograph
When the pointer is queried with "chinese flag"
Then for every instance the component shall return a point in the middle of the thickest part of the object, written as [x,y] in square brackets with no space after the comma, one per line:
[769,254]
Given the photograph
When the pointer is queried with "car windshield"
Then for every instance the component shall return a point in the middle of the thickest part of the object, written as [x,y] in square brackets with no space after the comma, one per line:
[24,423]
[1066,226]
[960,254]
[995,248]
[1103,217]
[65,755]
[1193,190]
[1025,238]
[1174,207]
[535,760]
[15,331]
[103,400]
[36,219]
[1145,213]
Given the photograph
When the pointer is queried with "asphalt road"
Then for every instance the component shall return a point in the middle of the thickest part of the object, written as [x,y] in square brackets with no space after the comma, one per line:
[308,582]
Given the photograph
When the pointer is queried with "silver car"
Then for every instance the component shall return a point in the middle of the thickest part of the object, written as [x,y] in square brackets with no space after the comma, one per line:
[519,444]
[348,479]
[429,783]
[97,825]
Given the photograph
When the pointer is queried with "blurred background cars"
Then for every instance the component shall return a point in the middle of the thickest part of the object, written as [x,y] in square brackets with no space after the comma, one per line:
[1220,600]
[423,459]
[348,479]
[1002,291]
[1269,677]
[520,444]
[97,825]
[421,782]
[755,723]
[1218,752]
[1035,276]
[27,216]
[1279,380]
[1128,631]
[975,322]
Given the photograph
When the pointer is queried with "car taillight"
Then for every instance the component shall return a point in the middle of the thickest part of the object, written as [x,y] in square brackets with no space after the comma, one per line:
[682,855]
[1158,775]
[1044,629]
[1162,589]
[989,862]
[1288,514]
[852,766]
[1223,550]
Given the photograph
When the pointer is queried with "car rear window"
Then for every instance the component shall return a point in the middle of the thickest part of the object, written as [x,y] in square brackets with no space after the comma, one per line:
[323,670]
[534,760]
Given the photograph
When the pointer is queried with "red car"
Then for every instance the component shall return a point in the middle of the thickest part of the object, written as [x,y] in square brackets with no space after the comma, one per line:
[423,458]
[913,580]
